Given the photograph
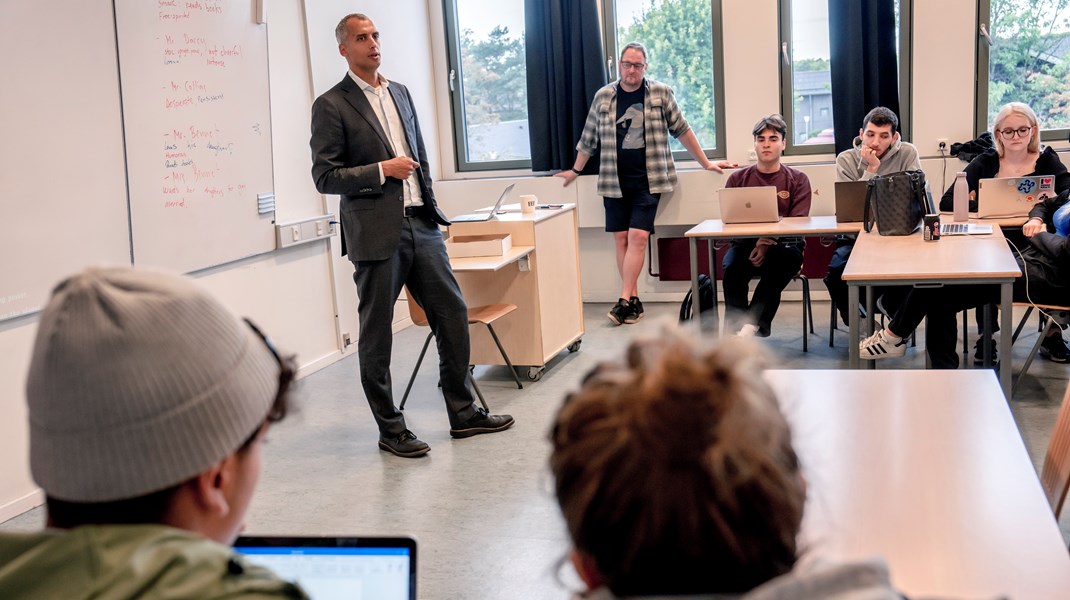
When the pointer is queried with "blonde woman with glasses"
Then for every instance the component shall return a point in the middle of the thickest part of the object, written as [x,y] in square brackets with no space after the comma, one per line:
[1018,153]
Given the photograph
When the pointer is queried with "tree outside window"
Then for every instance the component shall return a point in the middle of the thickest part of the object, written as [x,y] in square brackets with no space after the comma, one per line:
[678,34]
[1029,59]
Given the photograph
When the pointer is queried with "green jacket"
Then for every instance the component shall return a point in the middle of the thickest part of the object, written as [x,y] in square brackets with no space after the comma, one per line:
[130,561]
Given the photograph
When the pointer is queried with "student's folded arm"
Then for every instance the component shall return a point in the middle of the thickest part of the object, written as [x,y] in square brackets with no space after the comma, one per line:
[1054,246]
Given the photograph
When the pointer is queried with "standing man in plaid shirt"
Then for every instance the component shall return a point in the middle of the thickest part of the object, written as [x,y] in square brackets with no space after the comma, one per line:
[630,121]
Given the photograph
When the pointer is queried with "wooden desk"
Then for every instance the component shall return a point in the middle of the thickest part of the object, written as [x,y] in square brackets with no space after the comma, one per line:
[926,469]
[789,226]
[540,275]
[490,263]
[953,260]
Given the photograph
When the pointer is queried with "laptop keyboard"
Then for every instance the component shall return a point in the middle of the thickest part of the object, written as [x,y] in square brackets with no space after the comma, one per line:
[954,228]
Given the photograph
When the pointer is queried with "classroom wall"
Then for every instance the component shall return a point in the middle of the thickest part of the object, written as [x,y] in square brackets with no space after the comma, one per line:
[303,296]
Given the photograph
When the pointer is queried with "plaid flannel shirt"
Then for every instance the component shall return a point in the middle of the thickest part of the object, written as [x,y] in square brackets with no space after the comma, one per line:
[661,115]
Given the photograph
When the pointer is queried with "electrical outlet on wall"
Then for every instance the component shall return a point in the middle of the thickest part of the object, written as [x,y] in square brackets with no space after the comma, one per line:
[752,156]
[941,145]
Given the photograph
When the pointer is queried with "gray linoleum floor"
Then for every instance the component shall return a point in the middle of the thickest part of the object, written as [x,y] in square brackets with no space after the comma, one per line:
[482,508]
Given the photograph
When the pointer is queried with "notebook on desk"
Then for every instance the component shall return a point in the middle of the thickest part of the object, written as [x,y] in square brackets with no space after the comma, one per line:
[330,568]
[1012,196]
[749,205]
[477,217]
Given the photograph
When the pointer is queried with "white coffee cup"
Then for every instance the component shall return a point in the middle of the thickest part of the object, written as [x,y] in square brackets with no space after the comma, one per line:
[527,204]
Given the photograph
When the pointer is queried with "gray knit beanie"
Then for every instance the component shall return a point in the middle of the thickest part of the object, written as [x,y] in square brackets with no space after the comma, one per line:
[139,381]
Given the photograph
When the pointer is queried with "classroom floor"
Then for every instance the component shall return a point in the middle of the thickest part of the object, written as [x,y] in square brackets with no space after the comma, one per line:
[482,509]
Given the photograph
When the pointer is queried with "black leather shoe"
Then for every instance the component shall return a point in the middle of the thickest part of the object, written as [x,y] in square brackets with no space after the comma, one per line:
[404,444]
[481,422]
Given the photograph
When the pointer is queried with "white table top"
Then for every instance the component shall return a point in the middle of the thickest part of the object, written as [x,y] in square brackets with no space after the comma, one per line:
[908,257]
[826,225]
[926,469]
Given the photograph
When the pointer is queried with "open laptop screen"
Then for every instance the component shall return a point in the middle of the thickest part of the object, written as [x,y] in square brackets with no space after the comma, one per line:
[330,568]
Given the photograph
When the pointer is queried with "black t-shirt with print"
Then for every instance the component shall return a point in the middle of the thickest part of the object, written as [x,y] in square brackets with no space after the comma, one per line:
[631,141]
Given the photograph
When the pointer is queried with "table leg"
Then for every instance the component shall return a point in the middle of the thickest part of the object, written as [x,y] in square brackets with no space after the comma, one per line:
[696,314]
[1005,325]
[711,255]
[852,326]
[871,297]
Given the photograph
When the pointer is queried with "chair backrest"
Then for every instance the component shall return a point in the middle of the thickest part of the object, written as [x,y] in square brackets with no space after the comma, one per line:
[1055,475]
[416,312]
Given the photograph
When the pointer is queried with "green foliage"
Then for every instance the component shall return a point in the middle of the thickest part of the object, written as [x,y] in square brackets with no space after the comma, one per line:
[1030,58]
[812,64]
[678,34]
[495,84]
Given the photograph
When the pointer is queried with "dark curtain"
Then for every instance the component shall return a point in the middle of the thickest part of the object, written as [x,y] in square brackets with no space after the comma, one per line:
[565,69]
[864,72]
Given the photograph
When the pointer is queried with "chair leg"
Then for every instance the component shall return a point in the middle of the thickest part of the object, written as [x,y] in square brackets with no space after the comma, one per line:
[479,394]
[807,314]
[498,343]
[1032,355]
[1021,324]
[412,378]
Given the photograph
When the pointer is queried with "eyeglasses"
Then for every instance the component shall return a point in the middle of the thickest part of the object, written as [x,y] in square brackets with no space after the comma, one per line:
[627,66]
[1010,133]
[267,341]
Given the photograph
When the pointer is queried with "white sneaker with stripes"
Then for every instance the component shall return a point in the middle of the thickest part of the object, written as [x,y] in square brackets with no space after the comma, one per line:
[878,346]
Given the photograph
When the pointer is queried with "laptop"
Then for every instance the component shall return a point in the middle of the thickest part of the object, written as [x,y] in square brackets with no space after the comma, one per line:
[483,216]
[749,205]
[336,568]
[964,229]
[851,201]
[1012,196]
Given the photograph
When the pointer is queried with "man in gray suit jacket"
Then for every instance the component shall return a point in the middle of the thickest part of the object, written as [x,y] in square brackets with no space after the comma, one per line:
[365,137]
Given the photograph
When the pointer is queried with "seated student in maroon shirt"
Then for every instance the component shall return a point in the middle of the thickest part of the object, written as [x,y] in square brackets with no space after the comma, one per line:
[774,260]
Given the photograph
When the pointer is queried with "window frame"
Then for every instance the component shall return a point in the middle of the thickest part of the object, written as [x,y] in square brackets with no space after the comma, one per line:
[456,95]
[984,20]
[906,21]
[608,10]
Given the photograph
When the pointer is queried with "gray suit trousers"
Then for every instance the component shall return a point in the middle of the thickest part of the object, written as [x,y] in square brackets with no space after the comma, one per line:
[420,263]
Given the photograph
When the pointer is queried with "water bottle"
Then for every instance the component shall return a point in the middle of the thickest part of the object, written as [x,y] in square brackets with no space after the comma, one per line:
[961,195]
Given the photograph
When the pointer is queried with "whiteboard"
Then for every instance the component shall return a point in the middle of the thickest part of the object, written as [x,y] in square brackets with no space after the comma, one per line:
[62,178]
[196,111]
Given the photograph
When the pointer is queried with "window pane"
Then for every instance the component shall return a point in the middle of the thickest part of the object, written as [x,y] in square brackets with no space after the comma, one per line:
[811,79]
[678,35]
[493,79]
[1029,60]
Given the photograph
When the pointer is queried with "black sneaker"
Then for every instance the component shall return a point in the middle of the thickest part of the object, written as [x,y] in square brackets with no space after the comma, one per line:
[979,352]
[1054,349]
[636,312]
[620,311]
[404,444]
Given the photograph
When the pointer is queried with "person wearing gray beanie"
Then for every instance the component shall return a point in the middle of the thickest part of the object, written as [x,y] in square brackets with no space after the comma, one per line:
[148,403]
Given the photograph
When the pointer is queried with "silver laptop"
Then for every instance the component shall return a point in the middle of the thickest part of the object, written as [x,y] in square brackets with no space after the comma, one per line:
[964,229]
[851,201]
[337,568]
[1012,196]
[749,205]
[476,217]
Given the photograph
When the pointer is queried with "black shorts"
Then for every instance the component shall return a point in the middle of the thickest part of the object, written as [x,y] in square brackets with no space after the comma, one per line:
[636,209]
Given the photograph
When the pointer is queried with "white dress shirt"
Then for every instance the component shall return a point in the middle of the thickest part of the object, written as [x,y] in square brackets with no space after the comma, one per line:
[383,106]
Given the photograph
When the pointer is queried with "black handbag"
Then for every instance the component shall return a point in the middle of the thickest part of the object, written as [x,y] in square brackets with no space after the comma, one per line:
[895,203]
